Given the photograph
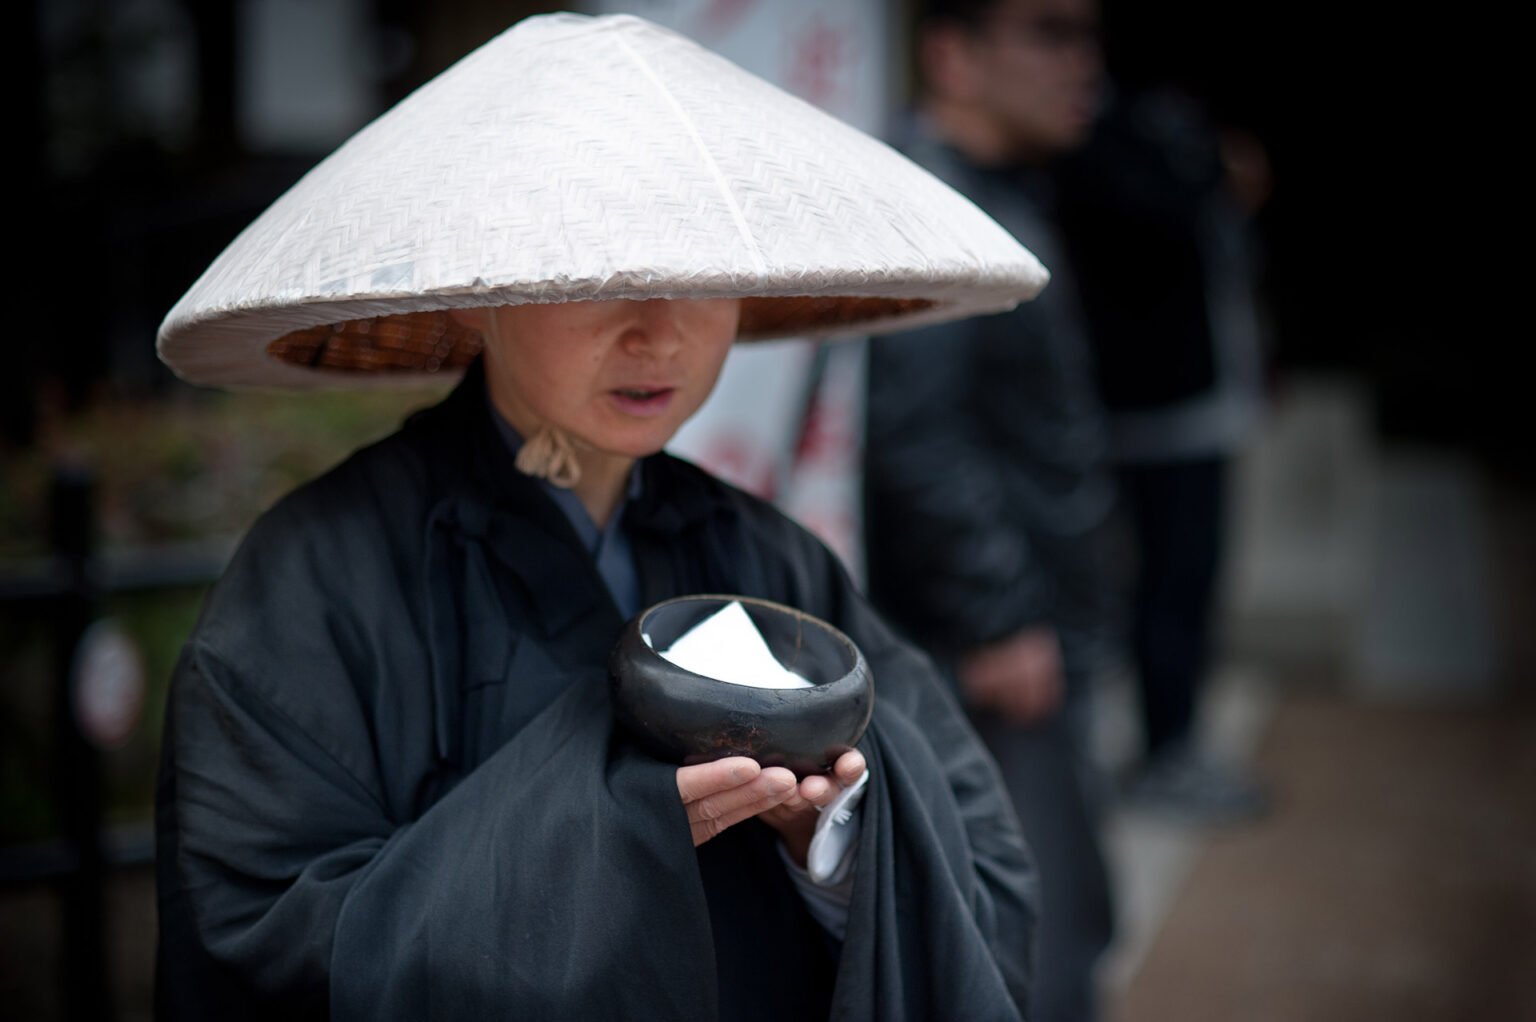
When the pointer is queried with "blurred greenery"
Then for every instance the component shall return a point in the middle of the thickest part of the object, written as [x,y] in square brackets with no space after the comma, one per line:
[200,466]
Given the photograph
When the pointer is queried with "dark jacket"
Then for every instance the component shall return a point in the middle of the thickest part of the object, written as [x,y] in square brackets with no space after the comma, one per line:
[1166,263]
[984,469]
[1134,201]
[392,787]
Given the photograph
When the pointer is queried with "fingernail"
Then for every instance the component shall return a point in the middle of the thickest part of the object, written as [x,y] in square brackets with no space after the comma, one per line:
[779,786]
[741,773]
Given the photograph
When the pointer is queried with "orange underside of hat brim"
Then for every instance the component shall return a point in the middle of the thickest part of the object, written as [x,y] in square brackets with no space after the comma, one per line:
[427,342]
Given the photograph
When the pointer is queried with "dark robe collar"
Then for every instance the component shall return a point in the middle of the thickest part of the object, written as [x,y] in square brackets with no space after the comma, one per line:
[487,499]
[487,503]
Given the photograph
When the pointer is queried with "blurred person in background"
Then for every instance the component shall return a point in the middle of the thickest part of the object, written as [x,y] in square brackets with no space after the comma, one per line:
[986,486]
[1156,211]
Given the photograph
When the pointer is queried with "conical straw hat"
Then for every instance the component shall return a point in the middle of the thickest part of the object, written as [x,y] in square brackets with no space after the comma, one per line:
[575,158]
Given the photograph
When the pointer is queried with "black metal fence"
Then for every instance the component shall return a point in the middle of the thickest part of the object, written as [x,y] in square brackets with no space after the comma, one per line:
[65,593]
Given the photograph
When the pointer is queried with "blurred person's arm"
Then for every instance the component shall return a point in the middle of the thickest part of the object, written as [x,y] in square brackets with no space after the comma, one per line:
[1019,677]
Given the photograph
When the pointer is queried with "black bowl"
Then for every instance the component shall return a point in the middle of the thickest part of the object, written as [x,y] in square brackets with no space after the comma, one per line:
[687,718]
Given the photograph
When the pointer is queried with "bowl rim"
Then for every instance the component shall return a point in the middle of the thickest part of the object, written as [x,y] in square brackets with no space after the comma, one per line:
[858,666]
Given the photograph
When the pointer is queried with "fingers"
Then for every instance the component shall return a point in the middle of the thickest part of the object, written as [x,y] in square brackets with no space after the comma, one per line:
[724,793]
[849,767]
[819,790]
[712,813]
[704,779]
[795,819]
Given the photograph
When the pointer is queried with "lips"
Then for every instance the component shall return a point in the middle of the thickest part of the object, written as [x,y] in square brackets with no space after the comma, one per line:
[643,401]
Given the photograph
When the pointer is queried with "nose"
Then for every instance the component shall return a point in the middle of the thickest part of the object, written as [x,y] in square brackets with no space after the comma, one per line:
[654,331]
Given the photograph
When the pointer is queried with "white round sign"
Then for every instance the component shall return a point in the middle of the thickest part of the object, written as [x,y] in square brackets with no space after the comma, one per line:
[108,684]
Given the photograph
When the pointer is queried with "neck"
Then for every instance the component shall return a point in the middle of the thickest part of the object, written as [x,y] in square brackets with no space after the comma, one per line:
[604,478]
[978,135]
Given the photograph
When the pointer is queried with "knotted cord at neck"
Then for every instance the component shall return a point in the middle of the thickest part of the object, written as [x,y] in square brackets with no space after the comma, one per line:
[550,454]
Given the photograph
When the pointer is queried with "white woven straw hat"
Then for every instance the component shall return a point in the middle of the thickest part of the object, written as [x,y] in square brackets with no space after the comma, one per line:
[575,158]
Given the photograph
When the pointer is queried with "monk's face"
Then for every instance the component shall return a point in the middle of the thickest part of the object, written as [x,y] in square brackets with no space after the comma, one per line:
[621,376]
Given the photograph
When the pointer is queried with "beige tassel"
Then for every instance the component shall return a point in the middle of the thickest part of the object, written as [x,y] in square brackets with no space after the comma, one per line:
[550,454]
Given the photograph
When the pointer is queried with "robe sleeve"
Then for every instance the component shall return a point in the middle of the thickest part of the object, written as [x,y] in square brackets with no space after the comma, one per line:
[296,881]
[975,825]
[936,810]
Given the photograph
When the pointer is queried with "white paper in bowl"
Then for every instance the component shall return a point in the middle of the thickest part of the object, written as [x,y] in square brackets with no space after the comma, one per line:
[728,647]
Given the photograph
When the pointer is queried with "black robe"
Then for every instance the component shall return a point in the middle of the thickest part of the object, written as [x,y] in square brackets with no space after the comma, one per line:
[392,786]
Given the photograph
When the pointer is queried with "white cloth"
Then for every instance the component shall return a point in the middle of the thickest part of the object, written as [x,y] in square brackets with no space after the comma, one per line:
[825,883]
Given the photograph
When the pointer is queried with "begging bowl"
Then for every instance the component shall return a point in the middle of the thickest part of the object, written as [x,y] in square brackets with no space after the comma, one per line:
[688,718]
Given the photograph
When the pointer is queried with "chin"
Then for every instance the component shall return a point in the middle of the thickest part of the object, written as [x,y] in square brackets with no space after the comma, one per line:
[636,438]
[636,446]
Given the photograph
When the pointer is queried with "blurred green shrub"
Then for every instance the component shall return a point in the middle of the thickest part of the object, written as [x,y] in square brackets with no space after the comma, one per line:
[204,464]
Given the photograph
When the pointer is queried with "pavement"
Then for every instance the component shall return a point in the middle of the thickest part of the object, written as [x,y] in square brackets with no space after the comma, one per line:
[1379,672]
[1396,880]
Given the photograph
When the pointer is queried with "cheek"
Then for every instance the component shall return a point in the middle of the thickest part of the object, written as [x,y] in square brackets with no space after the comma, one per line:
[711,361]
[545,376]
[569,356]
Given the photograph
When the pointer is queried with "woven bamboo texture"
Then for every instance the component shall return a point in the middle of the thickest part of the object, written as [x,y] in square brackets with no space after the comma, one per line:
[576,158]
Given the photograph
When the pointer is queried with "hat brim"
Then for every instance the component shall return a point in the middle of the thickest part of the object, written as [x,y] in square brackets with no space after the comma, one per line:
[581,159]
[403,349]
